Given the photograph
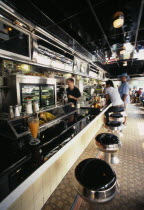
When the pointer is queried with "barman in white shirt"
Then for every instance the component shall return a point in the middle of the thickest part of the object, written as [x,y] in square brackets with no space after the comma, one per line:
[113,95]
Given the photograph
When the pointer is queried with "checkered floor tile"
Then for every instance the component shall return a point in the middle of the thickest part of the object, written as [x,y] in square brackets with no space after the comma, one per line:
[130,171]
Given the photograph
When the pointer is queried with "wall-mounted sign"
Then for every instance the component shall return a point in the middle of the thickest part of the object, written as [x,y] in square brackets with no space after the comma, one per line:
[14,42]
[42,59]
[93,74]
[80,66]
[8,67]
[77,63]
[53,59]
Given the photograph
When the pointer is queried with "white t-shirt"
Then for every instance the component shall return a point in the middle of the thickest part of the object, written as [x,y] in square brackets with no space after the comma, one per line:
[114,96]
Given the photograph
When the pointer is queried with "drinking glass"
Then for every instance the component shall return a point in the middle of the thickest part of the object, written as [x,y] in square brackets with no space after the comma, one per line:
[33,124]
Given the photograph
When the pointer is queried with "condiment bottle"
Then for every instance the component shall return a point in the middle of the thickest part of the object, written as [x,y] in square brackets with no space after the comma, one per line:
[11,112]
[29,107]
[20,108]
[47,102]
[17,113]
[35,106]
[72,105]
[95,105]
[78,108]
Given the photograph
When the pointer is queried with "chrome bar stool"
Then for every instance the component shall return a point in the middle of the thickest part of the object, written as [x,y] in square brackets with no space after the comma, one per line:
[109,144]
[124,114]
[95,181]
[116,117]
[115,127]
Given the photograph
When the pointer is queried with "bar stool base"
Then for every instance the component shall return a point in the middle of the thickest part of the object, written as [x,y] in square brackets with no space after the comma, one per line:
[114,159]
[111,158]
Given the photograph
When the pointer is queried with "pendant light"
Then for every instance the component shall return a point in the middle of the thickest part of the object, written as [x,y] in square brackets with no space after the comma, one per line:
[125,63]
[118,20]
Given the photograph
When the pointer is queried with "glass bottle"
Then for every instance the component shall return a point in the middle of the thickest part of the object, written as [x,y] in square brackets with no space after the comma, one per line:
[17,113]
[78,108]
[29,107]
[65,98]
[11,112]
[35,106]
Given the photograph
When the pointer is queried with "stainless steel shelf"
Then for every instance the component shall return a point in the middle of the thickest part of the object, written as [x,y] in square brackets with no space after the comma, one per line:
[44,109]
[3,87]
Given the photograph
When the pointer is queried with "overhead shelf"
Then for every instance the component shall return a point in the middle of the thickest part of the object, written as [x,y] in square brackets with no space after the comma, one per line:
[4,87]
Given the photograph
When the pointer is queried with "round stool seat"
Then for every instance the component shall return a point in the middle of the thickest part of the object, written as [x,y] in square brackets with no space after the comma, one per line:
[114,124]
[95,180]
[120,111]
[116,115]
[108,142]
[107,138]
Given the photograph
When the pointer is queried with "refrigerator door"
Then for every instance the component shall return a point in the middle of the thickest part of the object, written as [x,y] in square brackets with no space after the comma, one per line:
[29,92]
[35,87]
[47,95]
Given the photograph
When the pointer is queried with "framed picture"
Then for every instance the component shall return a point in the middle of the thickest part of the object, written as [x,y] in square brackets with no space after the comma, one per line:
[8,67]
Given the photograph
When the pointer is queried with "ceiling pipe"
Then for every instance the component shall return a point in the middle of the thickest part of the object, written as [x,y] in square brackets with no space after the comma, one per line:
[74,15]
[112,36]
[43,28]
[138,25]
[97,21]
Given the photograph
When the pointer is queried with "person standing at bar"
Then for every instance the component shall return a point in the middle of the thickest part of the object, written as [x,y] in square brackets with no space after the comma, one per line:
[124,90]
[139,92]
[73,92]
[113,95]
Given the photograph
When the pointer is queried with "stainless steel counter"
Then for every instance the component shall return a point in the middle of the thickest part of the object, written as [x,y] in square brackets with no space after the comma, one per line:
[49,175]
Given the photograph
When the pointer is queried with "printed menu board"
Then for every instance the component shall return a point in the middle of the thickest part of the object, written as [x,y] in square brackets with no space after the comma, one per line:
[80,66]
[53,59]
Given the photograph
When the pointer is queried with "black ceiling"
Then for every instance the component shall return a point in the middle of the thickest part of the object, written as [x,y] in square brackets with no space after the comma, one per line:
[89,22]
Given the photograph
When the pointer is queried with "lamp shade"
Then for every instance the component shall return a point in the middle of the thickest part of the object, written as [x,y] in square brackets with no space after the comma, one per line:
[118,20]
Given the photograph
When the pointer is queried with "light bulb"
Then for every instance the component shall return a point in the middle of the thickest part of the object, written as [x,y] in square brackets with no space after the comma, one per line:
[118,20]
[118,23]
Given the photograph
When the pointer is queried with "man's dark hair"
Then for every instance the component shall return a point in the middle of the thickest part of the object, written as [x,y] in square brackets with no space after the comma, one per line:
[109,82]
[70,79]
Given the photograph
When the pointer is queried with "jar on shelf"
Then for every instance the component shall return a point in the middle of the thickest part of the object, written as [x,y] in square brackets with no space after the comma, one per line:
[11,112]
[29,107]
[17,113]
[35,106]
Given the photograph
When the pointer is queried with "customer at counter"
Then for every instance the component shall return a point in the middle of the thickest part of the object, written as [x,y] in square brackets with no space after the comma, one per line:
[139,92]
[73,92]
[103,88]
[124,91]
[124,88]
[114,96]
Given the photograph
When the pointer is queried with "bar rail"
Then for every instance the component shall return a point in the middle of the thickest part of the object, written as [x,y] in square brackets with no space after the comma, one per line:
[50,174]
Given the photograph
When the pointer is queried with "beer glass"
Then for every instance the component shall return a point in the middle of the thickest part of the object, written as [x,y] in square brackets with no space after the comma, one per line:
[33,124]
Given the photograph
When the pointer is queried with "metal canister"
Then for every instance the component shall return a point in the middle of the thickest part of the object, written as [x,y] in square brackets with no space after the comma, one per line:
[17,113]
[11,112]
[35,106]
[29,107]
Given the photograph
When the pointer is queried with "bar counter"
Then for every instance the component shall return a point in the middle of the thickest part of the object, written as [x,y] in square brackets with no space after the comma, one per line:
[37,188]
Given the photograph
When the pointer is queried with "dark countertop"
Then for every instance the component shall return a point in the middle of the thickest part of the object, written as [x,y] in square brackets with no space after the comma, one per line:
[16,156]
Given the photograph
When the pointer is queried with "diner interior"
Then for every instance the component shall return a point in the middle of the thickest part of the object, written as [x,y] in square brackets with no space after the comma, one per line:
[57,149]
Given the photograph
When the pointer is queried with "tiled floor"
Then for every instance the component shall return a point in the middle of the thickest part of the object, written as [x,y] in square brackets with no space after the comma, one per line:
[130,171]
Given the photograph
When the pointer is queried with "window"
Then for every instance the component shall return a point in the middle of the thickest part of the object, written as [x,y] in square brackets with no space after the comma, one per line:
[13,40]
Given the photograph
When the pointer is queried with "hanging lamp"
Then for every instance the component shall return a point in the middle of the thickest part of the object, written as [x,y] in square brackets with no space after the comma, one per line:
[118,20]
